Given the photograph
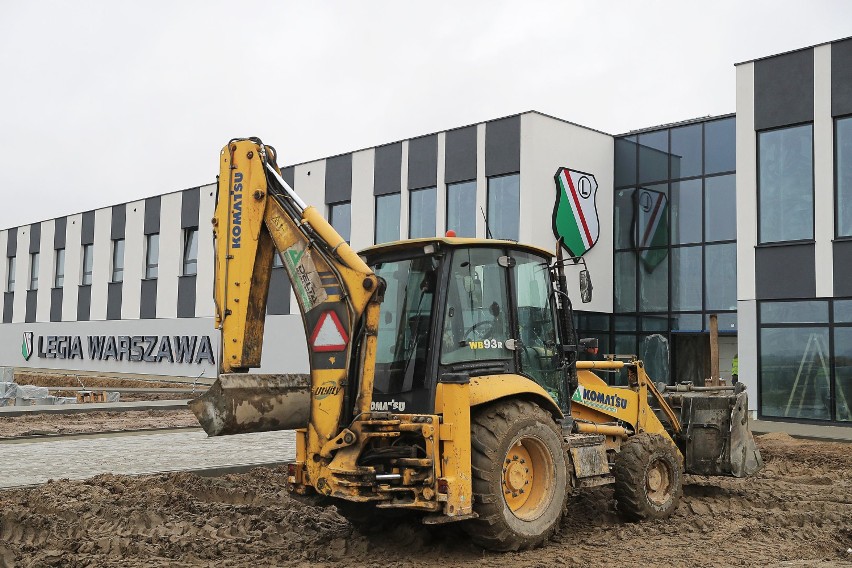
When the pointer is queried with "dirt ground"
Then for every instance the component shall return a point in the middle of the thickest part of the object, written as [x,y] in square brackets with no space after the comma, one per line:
[51,424]
[796,512]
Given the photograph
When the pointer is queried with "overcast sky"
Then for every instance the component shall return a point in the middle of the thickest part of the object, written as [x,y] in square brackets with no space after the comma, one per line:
[104,102]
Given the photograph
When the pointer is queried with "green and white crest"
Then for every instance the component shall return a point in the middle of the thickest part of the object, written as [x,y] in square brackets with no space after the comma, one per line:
[575,213]
[27,345]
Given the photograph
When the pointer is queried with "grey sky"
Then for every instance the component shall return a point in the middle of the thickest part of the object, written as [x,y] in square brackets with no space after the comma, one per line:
[105,102]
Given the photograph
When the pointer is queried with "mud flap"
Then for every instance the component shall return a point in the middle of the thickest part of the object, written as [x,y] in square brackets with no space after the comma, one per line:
[240,403]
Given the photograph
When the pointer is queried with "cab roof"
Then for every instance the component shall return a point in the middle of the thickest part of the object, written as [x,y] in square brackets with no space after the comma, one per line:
[453,242]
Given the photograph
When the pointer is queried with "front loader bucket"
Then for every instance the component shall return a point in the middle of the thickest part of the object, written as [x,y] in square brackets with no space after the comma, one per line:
[716,438]
[241,403]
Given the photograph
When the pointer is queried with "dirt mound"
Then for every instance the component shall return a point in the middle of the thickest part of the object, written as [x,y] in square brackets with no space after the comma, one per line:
[796,512]
[58,379]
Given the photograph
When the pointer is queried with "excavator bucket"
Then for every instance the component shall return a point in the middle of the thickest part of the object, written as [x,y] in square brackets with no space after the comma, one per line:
[716,438]
[240,403]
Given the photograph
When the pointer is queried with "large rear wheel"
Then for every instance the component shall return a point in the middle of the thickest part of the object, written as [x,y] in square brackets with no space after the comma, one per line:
[519,476]
[648,477]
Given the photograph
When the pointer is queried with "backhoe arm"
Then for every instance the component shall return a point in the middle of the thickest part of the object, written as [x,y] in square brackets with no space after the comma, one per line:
[258,215]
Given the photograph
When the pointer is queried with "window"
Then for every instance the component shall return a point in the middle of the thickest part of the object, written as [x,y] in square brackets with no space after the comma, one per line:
[59,269]
[785,184]
[422,212]
[720,146]
[152,256]
[721,268]
[461,208]
[190,251]
[477,308]
[654,156]
[87,265]
[686,151]
[10,274]
[843,175]
[686,279]
[720,208]
[340,217]
[625,161]
[504,203]
[276,260]
[118,260]
[624,206]
[794,372]
[34,271]
[387,218]
[686,212]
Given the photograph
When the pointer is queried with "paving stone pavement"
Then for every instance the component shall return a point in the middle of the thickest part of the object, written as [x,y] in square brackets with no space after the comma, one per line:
[36,462]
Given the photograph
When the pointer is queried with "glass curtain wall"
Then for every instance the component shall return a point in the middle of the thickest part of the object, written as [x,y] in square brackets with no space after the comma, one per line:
[675,237]
[806,359]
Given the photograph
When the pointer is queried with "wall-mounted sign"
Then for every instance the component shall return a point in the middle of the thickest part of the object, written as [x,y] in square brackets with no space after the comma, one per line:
[137,348]
[575,213]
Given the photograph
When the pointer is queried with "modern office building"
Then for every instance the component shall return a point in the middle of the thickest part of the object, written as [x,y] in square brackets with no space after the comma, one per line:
[747,216]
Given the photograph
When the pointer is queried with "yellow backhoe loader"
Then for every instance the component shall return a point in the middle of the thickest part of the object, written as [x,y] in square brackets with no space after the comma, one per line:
[444,378]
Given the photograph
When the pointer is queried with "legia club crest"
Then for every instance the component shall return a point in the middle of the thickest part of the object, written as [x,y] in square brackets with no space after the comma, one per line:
[27,345]
[575,214]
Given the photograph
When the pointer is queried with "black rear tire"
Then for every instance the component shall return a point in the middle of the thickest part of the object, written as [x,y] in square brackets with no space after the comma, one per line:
[520,478]
[648,477]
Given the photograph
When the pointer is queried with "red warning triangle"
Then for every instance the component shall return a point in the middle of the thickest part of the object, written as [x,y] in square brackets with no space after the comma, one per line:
[329,334]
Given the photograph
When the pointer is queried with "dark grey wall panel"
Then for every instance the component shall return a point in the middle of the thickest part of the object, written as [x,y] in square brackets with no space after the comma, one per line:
[186,297]
[841,78]
[279,293]
[32,301]
[784,89]
[289,175]
[84,303]
[387,171]
[60,227]
[8,306]
[114,293]
[842,268]
[119,218]
[87,236]
[35,237]
[785,272]
[460,155]
[503,146]
[152,215]
[148,300]
[189,207]
[12,242]
[338,179]
[423,162]
[56,304]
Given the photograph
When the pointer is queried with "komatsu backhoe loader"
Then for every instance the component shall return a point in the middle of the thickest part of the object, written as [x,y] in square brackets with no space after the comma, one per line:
[444,378]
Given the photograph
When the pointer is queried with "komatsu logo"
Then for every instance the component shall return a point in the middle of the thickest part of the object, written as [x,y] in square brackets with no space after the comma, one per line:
[237,210]
[594,399]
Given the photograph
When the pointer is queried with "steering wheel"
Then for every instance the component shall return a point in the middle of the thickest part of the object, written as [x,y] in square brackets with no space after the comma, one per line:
[482,329]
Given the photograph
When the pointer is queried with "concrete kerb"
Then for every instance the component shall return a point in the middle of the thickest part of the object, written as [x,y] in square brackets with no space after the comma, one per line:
[94,407]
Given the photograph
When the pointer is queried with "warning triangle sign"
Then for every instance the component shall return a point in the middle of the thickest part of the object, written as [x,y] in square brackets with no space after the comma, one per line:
[329,334]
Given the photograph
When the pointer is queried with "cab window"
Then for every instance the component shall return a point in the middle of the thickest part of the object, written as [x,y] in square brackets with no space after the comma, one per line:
[476,318]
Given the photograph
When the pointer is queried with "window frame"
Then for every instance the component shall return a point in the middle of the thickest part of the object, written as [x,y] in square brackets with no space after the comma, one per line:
[376,217]
[411,194]
[35,257]
[59,268]
[152,270]
[760,241]
[188,232]
[836,172]
[331,206]
[488,233]
[87,253]
[113,264]
[11,267]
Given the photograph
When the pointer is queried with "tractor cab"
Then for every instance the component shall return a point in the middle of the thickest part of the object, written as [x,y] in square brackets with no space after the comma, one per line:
[453,305]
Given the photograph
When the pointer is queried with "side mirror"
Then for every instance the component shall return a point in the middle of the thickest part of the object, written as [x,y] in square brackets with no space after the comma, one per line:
[589,345]
[585,286]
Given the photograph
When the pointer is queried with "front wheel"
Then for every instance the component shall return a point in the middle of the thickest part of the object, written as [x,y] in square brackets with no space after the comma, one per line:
[519,476]
[648,477]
